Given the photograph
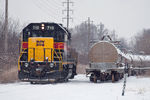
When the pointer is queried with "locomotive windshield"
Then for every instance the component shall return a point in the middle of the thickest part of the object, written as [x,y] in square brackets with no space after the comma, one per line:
[41,30]
[40,34]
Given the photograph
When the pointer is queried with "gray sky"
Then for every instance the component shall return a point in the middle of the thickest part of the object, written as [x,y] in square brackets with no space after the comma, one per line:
[127,17]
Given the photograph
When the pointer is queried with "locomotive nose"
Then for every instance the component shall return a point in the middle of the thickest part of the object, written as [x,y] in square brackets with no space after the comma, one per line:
[40,49]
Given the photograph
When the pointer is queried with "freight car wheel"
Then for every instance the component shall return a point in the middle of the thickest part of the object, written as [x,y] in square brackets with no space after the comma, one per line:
[91,78]
[112,78]
[95,79]
[116,76]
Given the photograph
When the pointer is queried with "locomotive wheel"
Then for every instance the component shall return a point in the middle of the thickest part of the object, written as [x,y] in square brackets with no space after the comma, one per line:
[32,82]
[73,72]
[21,75]
[66,80]
[72,76]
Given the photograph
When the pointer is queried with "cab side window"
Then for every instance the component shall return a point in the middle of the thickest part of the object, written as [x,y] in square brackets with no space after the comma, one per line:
[60,36]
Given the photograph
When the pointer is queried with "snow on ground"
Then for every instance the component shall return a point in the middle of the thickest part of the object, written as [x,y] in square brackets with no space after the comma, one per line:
[77,89]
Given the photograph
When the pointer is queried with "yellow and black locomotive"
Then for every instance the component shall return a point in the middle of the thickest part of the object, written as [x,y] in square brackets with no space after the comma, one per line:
[46,54]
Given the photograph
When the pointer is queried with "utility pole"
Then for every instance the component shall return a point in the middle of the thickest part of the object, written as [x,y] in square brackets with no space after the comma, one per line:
[89,33]
[68,2]
[6,26]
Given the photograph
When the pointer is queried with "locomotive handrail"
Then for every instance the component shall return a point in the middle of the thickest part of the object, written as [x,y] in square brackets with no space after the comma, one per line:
[60,54]
[56,54]
[21,53]
[60,59]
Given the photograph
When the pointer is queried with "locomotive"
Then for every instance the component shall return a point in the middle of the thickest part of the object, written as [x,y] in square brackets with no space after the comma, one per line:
[46,54]
[108,62]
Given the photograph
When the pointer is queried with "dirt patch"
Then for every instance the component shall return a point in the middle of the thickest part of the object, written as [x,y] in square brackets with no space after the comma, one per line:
[11,75]
[81,69]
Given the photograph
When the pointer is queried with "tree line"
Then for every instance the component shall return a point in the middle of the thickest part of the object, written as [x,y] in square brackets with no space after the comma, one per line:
[9,58]
[140,43]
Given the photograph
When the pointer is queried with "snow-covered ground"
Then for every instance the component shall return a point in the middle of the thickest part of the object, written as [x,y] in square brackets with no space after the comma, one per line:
[78,89]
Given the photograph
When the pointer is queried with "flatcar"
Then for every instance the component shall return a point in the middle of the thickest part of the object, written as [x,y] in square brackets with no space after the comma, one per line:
[46,54]
[108,62]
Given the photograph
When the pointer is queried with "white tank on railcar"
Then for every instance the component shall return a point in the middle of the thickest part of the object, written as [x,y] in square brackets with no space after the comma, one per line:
[105,62]
[108,62]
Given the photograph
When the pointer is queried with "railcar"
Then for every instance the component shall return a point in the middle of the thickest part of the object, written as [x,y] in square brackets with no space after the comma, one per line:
[137,64]
[46,54]
[108,62]
[104,62]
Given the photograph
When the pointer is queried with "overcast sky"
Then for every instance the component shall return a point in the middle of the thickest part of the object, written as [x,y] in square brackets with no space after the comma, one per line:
[127,17]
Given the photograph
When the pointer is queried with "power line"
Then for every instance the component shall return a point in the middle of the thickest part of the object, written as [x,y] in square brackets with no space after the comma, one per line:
[52,5]
[68,2]
[56,4]
[43,10]
[47,7]
[39,7]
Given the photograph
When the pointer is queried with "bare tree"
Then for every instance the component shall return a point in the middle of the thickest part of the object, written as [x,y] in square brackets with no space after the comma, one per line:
[102,30]
[142,41]
[80,38]
[8,60]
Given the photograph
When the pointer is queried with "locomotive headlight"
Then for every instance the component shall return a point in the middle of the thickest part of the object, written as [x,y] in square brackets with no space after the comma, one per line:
[42,26]
[26,64]
[51,65]
[46,58]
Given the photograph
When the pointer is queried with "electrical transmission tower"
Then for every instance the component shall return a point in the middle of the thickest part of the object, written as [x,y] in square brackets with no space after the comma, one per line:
[68,10]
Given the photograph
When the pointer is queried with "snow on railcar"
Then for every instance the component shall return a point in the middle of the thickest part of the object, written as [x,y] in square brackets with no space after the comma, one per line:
[108,62]
[105,62]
